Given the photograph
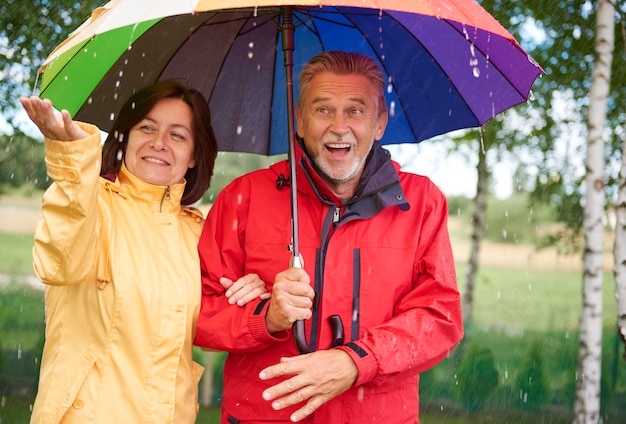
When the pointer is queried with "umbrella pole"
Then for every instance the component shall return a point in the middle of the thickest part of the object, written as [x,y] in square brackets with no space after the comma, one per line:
[287,30]
[288,46]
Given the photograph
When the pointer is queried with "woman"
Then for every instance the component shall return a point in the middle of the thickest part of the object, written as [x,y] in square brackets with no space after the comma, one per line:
[118,254]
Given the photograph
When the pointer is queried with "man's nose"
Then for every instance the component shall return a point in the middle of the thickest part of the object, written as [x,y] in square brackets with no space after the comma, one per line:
[339,124]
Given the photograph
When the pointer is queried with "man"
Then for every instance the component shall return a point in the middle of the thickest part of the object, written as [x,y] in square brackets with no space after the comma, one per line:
[377,263]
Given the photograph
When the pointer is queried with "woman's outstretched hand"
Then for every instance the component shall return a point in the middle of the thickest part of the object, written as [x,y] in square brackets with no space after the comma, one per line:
[52,125]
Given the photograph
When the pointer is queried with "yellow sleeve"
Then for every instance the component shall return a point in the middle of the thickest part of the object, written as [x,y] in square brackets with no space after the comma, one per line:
[65,237]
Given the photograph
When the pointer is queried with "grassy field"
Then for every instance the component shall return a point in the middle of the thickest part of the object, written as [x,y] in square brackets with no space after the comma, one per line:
[522,297]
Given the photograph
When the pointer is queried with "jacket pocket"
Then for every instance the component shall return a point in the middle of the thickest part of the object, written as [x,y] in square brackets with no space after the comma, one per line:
[83,391]
[197,370]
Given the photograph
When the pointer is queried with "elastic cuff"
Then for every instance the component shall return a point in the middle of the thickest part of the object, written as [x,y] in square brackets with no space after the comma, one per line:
[364,360]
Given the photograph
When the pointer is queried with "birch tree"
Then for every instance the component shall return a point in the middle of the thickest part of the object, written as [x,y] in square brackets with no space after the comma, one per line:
[619,251]
[587,403]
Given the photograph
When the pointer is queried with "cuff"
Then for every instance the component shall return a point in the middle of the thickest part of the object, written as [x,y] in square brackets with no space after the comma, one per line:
[364,360]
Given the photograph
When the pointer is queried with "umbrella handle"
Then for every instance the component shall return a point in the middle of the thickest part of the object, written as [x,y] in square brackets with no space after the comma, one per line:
[299,334]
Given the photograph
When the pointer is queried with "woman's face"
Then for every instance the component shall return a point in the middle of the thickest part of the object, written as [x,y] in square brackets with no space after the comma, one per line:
[160,146]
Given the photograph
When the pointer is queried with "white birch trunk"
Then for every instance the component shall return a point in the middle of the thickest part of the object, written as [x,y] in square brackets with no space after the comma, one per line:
[587,404]
[619,251]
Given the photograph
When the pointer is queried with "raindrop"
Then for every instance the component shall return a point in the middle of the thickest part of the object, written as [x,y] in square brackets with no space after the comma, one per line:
[239,129]
[121,74]
[117,84]
[531,96]
[133,106]
[65,78]
[251,44]
[389,88]
[115,96]
[90,100]
[119,154]
[112,116]
[392,109]
[476,72]
[250,55]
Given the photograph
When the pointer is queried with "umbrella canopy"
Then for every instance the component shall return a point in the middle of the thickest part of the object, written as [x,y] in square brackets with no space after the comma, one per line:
[448,63]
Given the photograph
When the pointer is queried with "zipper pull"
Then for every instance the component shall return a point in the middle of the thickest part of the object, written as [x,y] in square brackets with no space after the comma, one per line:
[167,193]
[336,215]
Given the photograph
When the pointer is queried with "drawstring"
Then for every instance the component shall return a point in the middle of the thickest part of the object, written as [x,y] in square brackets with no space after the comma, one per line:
[107,278]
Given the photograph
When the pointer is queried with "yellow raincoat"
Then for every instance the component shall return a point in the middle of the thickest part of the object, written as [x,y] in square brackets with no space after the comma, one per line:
[123,293]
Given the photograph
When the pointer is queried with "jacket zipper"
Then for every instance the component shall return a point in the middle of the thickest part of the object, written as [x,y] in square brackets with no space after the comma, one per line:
[166,196]
[336,214]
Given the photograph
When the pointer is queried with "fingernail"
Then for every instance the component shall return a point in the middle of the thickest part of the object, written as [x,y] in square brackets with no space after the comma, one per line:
[262,377]
[228,293]
[294,418]
[276,405]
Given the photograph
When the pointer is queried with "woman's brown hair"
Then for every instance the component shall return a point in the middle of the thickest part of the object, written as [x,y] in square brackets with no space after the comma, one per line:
[137,108]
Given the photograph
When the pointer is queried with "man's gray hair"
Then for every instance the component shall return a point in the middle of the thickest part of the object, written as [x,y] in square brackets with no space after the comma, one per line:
[342,63]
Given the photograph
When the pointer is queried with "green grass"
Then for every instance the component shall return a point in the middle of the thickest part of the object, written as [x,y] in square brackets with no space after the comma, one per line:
[516,300]
[16,254]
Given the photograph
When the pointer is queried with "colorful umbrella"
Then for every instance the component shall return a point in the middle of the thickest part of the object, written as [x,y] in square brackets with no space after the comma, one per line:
[448,64]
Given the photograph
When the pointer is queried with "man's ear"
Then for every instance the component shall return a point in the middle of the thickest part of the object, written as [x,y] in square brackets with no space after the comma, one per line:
[383,118]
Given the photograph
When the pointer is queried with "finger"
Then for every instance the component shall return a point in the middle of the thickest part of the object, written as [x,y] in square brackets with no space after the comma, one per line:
[311,406]
[226,283]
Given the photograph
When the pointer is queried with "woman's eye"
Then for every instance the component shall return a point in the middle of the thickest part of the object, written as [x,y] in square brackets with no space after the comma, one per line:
[177,136]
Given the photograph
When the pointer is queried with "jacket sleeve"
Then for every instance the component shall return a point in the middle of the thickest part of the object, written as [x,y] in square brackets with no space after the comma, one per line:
[65,242]
[427,323]
[222,326]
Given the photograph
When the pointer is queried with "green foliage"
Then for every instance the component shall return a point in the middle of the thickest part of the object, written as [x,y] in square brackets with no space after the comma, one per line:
[22,163]
[230,165]
[21,316]
[477,378]
[566,52]
[30,30]
[531,383]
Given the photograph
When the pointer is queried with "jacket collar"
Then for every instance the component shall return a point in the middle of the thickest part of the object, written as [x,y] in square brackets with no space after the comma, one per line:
[163,198]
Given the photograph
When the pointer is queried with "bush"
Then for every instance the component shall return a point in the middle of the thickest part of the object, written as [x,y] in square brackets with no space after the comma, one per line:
[531,383]
[477,378]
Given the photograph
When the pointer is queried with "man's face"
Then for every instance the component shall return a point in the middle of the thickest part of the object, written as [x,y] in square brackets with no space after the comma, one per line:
[339,122]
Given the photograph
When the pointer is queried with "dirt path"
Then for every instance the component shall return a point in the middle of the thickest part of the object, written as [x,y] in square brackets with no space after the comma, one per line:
[19,215]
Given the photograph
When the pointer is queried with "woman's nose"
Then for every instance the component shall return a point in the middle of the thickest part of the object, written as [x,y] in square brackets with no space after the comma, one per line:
[159,142]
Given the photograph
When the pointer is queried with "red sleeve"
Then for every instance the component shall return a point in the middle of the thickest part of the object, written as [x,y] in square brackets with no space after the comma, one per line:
[222,326]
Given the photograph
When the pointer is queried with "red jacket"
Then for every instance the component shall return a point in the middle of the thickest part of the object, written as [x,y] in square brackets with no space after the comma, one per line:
[382,262]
